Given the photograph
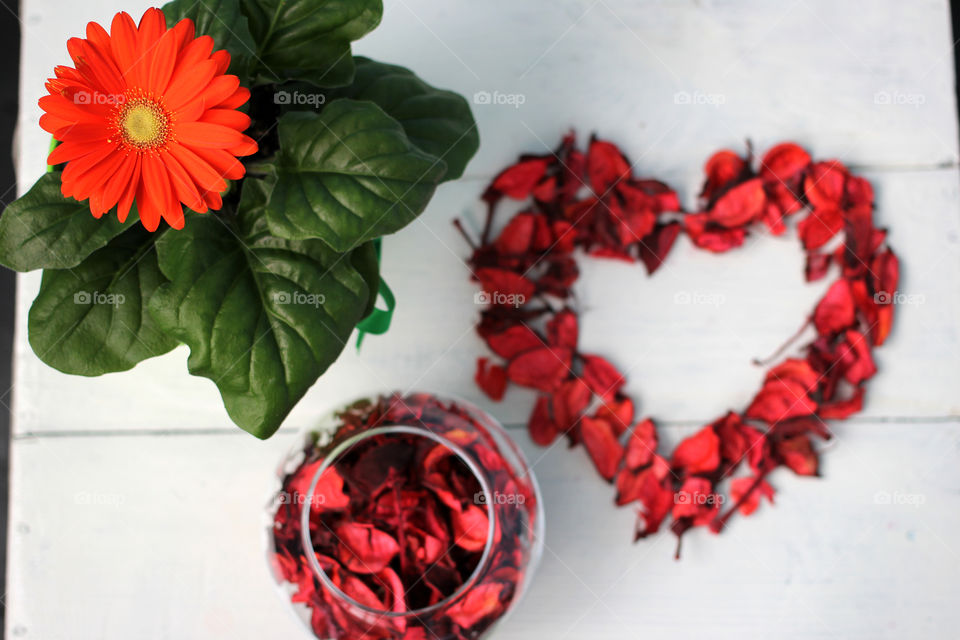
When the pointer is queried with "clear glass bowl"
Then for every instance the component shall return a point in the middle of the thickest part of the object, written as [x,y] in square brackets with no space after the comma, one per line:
[422,462]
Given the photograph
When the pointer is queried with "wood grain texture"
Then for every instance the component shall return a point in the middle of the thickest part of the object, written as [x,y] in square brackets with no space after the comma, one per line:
[136,505]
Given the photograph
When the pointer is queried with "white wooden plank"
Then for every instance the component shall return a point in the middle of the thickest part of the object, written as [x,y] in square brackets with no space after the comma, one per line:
[684,361]
[159,537]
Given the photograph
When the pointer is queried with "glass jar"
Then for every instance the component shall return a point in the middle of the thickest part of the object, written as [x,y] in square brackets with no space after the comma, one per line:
[404,517]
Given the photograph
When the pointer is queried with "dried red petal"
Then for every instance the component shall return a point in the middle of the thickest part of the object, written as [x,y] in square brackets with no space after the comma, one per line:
[327,495]
[543,369]
[835,311]
[825,184]
[563,330]
[739,206]
[797,370]
[363,548]
[513,341]
[712,237]
[820,226]
[656,500]
[505,287]
[601,376]
[655,247]
[645,484]
[618,410]
[491,379]
[817,266]
[543,429]
[722,169]
[602,445]
[733,444]
[784,163]
[605,165]
[470,528]
[641,445]
[696,500]
[781,400]
[517,236]
[886,266]
[480,602]
[843,409]
[748,503]
[856,359]
[569,403]
[798,454]
[700,453]
[518,181]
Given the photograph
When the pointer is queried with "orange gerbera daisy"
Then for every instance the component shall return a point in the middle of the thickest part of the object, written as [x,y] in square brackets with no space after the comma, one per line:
[148,114]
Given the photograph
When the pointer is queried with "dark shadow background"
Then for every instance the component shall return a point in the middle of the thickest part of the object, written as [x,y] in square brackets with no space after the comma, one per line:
[9,90]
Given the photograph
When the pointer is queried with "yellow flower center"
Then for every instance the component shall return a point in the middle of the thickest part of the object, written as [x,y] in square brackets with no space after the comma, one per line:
[143,124]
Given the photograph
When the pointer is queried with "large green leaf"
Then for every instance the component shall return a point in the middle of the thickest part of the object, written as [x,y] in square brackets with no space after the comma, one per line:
[45,230]
[348,175]
[309,39]
[367,264]
[263,317]
[223,21]
[92,319]
[437,121]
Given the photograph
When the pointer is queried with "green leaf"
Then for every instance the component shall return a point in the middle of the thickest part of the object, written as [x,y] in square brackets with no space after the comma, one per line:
[309,39]
[92,319]
[348,175]
[365,260]
[437,121]
[264,317]
[223,21]
[45,230]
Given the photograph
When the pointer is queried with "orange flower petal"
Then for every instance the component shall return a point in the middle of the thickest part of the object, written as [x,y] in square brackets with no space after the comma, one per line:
[219,89]
[161,63]
[202,134]
[222,58]
[237,120]
[246,147]
[238,99]
[187,83]
[183,185]
[116,183]
[204,175]
[123,41]
[126,200]
[223,162]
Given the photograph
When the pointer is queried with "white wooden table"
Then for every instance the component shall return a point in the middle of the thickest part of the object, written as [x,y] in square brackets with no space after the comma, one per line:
[136,506]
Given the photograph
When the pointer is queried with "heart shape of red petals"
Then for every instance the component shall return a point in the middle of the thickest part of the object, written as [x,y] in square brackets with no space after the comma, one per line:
[592,201]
